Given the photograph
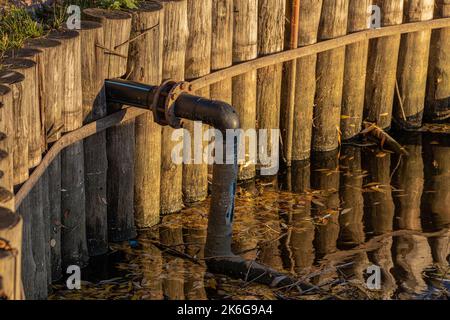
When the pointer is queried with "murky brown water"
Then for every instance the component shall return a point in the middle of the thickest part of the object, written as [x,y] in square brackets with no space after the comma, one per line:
[325,221]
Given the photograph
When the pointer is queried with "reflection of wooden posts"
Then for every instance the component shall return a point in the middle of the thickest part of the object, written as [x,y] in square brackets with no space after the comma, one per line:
[119,139]
[409,178]
[355,71]
[438,90]
[31,99]
[330,76]
[325,177]
[195,237]
[382,67]
[299,240]
[382,257]
[221,46]
[310,11]
[378,196]
[73,218]
[436,195]
[151,265]
[174,49]
[245,38]
[244,242]
[145,65]
[198,63]
[171,234]
[412,255]
[413,66]
[6,149]
[10,255]
[93,73]
[20,103]
[34,263]
[271,15]
[351,217]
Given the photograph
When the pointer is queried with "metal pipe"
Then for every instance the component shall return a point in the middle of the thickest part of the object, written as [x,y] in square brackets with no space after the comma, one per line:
[217,114]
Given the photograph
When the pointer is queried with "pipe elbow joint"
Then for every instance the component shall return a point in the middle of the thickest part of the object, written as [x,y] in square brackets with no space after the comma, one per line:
[227,117]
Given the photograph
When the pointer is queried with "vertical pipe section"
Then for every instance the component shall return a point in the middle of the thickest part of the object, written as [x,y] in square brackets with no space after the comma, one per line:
[119,139]
[355,71]
[174,48]
[382,67]
[198,63]
[245,38]
[221,47]
[330,76]
[93,74]
[438,93]
[271,15]
[305,84]
[145,65]
[413,66]
[73,236]
[6,149]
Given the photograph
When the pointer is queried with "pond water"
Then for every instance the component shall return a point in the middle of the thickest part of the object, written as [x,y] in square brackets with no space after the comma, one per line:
[324,221]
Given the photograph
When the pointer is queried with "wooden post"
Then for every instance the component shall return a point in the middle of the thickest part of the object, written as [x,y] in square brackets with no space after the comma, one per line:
[382,67]
[145,65]
[6,148]
[330,76]
[292,14]
[413,66]
[73,218]
[271,22]
[21,101]
[174,48]
[438,91]
[325,177]
[305,84]
[93,74]
[50,63]
[10,255]
[352,202]
[34,263]
[36,142]
[355,71]
[31,99]
[245,38]
[119,139]
[51,82]
[198,63]
[221,47]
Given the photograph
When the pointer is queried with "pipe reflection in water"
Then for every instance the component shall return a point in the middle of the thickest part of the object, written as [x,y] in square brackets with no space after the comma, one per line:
[298,250]
[325,181]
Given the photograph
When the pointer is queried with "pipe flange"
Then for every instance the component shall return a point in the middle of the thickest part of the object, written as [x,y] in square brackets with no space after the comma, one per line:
[164,101]
[177,89]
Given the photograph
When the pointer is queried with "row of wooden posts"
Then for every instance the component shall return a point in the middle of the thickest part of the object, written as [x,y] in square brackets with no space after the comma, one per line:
[102,188]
